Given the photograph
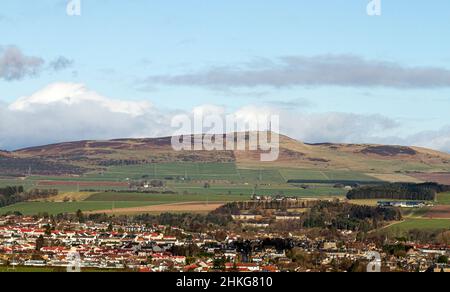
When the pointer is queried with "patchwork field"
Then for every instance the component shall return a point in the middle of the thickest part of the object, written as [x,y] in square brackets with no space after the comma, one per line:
[225,172]
[187,170]
[186,180]
[88,201]
[224,178]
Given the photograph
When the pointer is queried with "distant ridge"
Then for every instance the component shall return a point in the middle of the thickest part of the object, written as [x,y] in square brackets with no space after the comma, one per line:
[94,154]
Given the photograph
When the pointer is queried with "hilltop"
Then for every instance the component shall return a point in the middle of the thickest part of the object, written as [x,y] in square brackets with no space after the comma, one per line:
[369,158]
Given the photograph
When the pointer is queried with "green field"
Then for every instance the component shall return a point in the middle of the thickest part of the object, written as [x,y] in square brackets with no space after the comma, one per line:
[444,199]
[421,224]
[190,172]
[166,199]
[221,171]
[299,174]
[34,208]
[187,170]
[224,179]
[15,182]
[263,175]
[224,194]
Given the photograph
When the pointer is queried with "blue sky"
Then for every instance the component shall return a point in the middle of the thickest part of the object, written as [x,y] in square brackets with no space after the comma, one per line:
[123,49]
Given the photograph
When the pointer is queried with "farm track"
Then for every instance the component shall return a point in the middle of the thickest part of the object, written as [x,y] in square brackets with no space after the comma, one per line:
[387,226]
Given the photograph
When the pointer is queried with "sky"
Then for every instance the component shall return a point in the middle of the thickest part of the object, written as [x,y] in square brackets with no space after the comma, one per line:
[125,68]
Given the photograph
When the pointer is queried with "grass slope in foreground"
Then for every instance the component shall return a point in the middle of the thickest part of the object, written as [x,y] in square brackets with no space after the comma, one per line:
[419,224]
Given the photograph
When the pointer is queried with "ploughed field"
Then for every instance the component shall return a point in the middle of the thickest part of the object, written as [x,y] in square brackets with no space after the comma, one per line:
[439,212]
[442,178]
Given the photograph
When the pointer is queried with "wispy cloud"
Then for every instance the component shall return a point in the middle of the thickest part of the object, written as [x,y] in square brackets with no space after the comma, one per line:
[291,103]
[60,63]
[16,65]
[325,70]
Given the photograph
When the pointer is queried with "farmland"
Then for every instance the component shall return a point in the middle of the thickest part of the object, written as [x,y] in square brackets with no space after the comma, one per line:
[224,172]
[444,199]
[420,224]
[54,208]
[140,197]
[442,178]
[439,212]
[193,171]
[188,207]
[189,177]
[325,175]
[183,182]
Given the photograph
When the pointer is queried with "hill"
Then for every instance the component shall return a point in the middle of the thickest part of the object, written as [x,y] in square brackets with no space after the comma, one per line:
[376,159]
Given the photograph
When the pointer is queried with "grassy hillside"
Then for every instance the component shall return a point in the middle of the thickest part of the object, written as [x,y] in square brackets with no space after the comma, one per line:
[420,224]
[377,159]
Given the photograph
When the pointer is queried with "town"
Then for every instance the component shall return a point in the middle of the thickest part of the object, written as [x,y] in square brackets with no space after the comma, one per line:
[62,244]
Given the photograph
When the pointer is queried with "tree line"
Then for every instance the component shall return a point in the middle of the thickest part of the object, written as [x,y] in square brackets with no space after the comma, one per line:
[15,194]
[399,191]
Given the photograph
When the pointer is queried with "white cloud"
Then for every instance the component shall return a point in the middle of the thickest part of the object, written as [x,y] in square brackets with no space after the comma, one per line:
[73,94]
[324,127]
[437,139]
[67,111]
[208,109]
